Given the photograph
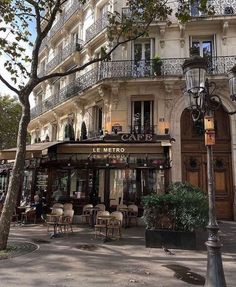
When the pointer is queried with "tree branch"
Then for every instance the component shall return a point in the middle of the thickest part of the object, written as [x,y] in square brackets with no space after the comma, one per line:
[9,85]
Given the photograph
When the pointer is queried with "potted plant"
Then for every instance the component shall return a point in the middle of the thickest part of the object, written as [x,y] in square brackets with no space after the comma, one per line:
[156,65]
[176,219]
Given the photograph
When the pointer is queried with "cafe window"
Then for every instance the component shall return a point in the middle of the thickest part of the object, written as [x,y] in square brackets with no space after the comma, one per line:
[97,118]
[142,117]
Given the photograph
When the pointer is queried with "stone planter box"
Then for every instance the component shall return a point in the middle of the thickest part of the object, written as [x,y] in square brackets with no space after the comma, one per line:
[175,239]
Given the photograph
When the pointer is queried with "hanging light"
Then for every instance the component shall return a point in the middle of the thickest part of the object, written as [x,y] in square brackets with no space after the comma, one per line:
[232,83]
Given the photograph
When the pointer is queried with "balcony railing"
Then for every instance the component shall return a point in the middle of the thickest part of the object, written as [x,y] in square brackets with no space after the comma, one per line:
[96,28]
[221,7]
[54,62]
[76,5]
[139,129]
[128,70]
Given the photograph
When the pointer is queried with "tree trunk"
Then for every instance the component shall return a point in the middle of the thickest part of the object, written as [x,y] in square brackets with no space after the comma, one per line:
[17,173]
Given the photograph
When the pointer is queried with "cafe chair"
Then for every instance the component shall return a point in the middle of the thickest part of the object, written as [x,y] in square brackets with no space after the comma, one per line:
[68,206]
[101,206]
[53,218]
[29,215]
[66,220]
[115,224]
[100,223]
[132,214]
[86,213]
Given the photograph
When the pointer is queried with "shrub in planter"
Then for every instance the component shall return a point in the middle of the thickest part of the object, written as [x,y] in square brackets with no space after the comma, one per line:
[156,65]
[183,208]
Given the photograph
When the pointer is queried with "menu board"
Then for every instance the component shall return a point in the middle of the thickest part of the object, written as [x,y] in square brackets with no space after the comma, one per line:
[41,182]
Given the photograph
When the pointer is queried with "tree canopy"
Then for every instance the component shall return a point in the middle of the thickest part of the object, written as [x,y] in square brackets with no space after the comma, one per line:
[10,114]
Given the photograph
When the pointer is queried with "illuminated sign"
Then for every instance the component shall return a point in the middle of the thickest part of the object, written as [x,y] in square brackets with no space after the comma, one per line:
[109,149]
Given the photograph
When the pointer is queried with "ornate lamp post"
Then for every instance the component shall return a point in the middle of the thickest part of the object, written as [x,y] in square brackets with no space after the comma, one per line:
[203,102]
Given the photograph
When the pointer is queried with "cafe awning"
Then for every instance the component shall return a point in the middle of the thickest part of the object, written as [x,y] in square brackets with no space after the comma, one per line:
[32,151]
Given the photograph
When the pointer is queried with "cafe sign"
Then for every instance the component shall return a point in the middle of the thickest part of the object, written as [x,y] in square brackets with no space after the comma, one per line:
[137,137]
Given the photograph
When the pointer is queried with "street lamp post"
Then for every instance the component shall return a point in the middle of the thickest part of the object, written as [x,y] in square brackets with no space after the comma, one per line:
[202,103]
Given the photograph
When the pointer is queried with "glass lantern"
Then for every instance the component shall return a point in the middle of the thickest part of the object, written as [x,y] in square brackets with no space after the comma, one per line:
[195,69]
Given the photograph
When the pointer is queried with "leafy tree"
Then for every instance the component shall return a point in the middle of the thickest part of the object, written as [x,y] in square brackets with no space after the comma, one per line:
[10,113]
[15,20]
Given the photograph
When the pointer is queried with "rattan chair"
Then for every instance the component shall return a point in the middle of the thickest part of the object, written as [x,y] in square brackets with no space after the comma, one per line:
[54,218]
[101,206]
[132,214]
[66,220]
[115,224]
[100,225]
[86,213]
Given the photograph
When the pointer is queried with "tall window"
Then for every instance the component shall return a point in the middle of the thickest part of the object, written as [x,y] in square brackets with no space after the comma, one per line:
[142,117]
[97,119]
[205,47]
[142,56]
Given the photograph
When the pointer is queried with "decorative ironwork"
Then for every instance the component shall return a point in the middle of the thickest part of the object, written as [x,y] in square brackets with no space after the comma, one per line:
[96,28]
[76,5]
[127,70]
[54,62]
[57,26]
[138,129]
[226,7]
[41,73]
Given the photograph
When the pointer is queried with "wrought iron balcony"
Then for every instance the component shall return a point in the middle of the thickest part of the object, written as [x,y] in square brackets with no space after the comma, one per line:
[54,62]
[128,70]
[71,48]
[139,129]
[96,28]
[57,26]
[76,5]
[41,73]
[221,7]
[43,44]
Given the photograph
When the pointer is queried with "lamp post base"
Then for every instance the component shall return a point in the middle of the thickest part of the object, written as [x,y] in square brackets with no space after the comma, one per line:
[215,273]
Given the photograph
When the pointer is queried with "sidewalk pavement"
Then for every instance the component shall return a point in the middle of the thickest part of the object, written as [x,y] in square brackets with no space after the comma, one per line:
[79,259]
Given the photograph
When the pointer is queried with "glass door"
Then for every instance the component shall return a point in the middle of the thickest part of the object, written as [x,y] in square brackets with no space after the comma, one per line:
[142,56]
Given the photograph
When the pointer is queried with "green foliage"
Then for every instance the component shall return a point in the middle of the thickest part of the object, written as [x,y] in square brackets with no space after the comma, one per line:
[185,206]
[156,65]
[10,113]
[69,132]
[83,131]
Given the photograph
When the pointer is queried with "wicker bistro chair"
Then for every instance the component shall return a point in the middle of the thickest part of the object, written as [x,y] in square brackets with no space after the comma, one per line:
[86,213]
[29,215]
[100,225]
[54,218]
[101,206]
[132,214]
[115,224]
[66,220]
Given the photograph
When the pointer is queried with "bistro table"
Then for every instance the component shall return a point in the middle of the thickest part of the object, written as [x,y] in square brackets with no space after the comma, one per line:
[106,219]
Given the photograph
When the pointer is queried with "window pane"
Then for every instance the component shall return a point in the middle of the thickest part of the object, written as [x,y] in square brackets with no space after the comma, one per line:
[138,52]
